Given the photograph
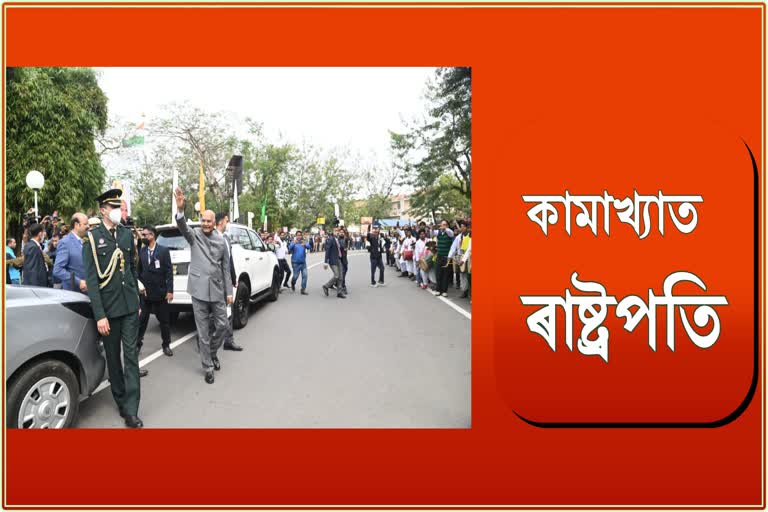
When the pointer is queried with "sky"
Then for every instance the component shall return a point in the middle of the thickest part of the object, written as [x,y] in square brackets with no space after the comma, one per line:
[327,107]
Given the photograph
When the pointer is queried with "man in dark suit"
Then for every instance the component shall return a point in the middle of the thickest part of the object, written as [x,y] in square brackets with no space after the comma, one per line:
[156,274]
[333,259]
[34,271]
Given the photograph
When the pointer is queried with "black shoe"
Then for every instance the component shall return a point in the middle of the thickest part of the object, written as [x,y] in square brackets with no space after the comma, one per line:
[216,363]
[325,290]
[209,377]
[233,346]
[133,422]
[304,292]
[285,285]
[167,350]
[341,296]
[143,373]
[465,295]
[293,286]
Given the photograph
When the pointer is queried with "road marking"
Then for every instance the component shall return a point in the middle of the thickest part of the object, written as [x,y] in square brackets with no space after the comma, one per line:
[104,385]
[457,308]
[151,357]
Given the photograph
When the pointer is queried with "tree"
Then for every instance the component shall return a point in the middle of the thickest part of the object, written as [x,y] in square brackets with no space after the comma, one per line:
[297,183]
[436,153]
[53,116]
[205,139]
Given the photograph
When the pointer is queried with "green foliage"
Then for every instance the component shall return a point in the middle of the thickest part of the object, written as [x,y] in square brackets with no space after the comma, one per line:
[52,118]
[436,154]
[297,183]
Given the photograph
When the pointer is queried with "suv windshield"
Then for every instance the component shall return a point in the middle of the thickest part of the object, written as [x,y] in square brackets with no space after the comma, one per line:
[172,239]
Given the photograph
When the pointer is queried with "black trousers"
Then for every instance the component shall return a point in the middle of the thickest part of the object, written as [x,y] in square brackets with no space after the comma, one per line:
[285,271]
[377,263]
[443,274]
[161,310]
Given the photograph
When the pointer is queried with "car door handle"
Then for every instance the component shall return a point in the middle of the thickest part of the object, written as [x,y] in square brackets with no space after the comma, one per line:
[247,259]
[261,258]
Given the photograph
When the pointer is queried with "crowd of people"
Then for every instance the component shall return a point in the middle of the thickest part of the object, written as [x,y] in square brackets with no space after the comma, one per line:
[85,255]
[434,257]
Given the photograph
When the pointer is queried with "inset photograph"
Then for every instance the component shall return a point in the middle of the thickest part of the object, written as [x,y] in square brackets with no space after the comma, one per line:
[238,247]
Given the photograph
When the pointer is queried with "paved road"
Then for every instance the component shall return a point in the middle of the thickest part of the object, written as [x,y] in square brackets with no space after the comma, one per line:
[384,357]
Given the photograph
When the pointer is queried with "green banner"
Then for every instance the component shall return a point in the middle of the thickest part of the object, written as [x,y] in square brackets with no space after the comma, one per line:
[136,140]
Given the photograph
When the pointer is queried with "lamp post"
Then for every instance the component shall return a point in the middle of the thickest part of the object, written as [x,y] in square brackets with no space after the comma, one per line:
[35,181]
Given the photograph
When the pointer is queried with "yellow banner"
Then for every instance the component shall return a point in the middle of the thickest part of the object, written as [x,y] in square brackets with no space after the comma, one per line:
[202,188]
[321,220]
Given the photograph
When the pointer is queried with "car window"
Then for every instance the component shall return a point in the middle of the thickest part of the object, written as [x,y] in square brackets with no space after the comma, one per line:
[172,239]
[257,243]
[240,236]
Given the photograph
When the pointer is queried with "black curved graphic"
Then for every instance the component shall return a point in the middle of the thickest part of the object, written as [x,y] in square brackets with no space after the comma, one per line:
[755,369]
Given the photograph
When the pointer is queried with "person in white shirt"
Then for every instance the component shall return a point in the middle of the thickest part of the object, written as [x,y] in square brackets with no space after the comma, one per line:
[409,244]
[418,254]
[456,253]
[281,249]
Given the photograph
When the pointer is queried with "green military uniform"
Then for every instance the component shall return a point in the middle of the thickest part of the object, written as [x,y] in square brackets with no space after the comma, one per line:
[110,268]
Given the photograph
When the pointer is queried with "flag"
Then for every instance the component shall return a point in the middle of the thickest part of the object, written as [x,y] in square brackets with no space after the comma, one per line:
[202,188]
[136,140]
[264,210]
[174,186]
[127,195]
[235,209]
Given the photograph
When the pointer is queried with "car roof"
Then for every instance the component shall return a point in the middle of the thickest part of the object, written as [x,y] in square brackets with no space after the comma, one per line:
[19,295]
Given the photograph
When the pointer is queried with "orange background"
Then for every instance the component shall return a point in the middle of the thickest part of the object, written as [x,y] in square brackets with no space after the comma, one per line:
[584,99]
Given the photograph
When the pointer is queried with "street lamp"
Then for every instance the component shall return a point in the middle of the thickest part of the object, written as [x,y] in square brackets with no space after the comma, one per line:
[197,209]
[35,181]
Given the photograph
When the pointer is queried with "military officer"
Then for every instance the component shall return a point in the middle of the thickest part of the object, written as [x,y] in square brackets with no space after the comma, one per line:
[110,268]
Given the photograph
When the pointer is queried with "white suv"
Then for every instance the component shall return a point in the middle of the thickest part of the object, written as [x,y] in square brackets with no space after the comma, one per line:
[256,269]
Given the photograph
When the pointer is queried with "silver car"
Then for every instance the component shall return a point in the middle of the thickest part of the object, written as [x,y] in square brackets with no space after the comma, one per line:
[54,356]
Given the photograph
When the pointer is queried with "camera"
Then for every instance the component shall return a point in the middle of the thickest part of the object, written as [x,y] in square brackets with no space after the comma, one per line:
[29,218]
